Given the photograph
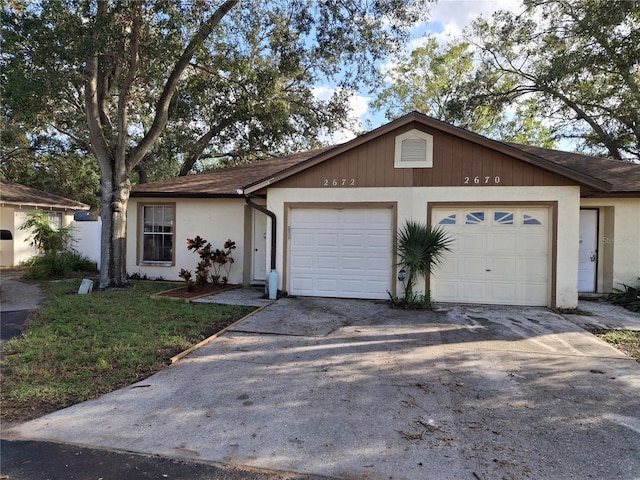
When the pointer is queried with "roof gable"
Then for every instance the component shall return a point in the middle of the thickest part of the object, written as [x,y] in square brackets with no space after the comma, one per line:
[531,163]
[23,196]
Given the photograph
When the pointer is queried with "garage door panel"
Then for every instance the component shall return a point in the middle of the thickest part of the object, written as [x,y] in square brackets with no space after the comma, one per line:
[303,239]
[503,292]
[499,255]
[533,270]
[447,269]
[353,240]
[471,266]
[326,262]
[379,241]
[326,240]
[446,291]
[503,243]
[532,245]
[472,243]
[474,291]
[351,251]
[503,267]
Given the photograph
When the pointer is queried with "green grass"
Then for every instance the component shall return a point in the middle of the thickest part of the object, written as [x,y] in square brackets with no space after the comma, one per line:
[628,341]
[78,347]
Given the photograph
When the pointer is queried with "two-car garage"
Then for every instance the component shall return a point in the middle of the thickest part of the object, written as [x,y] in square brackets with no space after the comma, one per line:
[501,253]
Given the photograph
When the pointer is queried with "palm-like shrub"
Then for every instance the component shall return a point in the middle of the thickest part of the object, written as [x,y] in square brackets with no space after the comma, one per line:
[420,248]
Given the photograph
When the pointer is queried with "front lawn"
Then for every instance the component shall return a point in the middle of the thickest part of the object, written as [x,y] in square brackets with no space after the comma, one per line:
[78,347]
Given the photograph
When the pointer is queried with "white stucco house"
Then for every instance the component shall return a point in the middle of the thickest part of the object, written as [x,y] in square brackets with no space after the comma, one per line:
[532,226]
[16,201]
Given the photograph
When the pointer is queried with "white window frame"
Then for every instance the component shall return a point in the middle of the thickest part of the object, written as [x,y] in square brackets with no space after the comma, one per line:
[400,162]
[143,234]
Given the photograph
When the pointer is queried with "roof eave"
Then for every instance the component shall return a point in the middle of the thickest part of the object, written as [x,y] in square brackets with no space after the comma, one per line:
[182,195]
[44,206]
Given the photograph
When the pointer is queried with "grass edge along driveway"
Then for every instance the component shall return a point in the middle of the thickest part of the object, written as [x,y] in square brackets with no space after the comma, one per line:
[78,347]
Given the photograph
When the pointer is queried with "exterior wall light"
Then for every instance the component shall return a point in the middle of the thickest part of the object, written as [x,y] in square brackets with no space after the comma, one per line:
[402,275]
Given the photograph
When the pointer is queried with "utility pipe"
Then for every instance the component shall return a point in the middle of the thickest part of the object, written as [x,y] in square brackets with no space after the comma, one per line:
[273,275]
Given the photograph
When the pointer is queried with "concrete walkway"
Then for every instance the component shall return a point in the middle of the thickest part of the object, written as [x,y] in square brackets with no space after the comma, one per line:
[17,300]
[353,389]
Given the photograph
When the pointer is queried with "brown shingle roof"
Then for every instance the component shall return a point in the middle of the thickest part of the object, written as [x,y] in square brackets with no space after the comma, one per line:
[623,176]
[223,182]
[21,195]
[599,176]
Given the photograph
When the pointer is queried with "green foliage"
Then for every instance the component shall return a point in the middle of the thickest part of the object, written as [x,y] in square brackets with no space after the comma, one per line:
[58,264]
[210,258]
[627,296]
[56,259]
[141,84]
[578,60]
[78,347]
[420,248]
[44,236]
[439,81]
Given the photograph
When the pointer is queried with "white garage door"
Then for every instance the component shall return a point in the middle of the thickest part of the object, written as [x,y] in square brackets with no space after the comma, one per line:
[500,256]
[343,253]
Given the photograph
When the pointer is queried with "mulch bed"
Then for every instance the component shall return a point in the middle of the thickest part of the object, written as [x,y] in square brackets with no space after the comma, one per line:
[197,292]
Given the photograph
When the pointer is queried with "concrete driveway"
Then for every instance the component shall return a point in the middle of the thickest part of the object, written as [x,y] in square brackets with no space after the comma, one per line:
[353,389]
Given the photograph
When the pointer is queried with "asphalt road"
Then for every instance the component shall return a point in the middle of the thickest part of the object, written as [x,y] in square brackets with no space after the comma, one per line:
[28,460]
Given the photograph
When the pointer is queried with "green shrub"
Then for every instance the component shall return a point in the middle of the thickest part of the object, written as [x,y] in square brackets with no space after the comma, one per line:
[420,249]
[61,264]
[627,296]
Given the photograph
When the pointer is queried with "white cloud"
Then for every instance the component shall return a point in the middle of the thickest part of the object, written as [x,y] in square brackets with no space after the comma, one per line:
[447,21]
[358,106]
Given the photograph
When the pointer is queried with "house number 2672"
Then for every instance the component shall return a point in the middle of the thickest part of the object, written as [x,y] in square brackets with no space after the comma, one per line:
[339,182]
[478,180]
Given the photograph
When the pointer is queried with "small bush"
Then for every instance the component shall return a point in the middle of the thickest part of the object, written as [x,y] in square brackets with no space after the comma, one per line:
[61,264]
[627,297]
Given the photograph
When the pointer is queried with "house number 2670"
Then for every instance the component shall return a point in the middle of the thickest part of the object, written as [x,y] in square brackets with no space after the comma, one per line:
[488,180]
[339,182]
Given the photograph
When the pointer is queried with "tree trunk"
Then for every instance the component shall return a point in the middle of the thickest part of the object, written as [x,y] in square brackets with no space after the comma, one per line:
[113,212]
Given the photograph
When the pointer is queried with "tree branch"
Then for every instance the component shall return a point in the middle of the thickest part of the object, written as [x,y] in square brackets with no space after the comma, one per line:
[162,107]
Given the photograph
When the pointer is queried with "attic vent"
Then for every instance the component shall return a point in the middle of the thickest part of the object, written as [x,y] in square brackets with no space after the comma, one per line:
[414,149]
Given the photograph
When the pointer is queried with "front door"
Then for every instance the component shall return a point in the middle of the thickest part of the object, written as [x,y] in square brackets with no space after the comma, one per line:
[588,250]
[259,246]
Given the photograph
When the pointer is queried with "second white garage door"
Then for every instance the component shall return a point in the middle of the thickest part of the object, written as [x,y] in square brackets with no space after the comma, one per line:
[341,252]
[500,256]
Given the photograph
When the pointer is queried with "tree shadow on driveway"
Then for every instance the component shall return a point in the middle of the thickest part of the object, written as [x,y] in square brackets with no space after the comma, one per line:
[463,392]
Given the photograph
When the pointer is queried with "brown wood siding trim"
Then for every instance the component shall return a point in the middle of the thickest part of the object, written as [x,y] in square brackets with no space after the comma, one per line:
[140,232]
[551,205]
[431,125]
[456,162]
[288,206]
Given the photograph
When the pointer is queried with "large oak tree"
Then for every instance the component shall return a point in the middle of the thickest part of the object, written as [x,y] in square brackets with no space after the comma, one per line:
[579,59]
[142,83]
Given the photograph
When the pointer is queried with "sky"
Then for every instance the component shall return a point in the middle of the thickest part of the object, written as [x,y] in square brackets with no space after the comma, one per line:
[447,20]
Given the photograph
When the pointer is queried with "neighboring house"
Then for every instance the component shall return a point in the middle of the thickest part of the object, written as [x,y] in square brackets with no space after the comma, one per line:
[16,201]
[532,226]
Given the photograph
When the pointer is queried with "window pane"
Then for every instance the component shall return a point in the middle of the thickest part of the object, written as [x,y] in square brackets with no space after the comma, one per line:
[474,218]
[529,220]
[450,220]
[157,242]
[503,218]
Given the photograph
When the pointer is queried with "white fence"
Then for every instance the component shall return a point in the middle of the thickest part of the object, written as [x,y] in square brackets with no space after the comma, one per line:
[87,239]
